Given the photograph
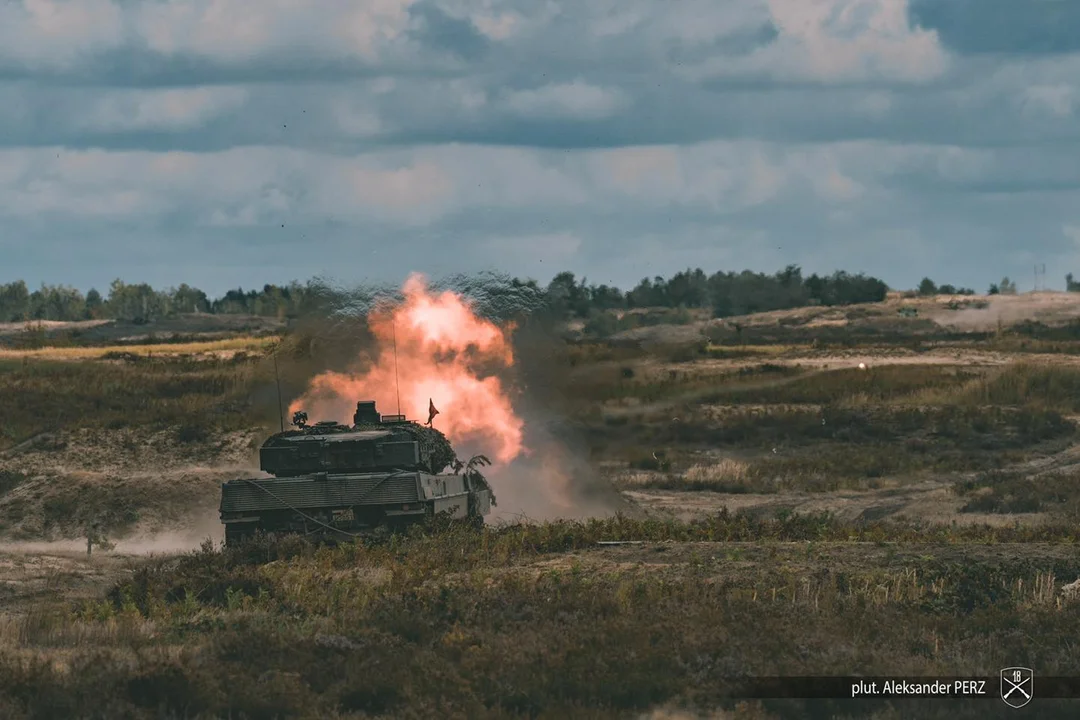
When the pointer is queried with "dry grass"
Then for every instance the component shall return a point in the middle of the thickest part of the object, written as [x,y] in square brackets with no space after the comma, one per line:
[227,346]
[726,471]
[505,623]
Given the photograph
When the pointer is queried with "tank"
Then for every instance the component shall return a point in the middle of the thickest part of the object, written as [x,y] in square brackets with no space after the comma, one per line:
[339,481]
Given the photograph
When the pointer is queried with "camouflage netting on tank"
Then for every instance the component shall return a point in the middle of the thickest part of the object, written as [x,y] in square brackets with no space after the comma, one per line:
[436,446]
[433,444]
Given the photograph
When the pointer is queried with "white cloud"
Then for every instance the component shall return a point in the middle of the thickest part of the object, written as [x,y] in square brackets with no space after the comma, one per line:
[57,33]
[557,249]
[170,110]
[579,100]
[356,118]
[875,104]
[234,30]
[61,33]
[839,41]
[644,169]
[244,186]
[267,186]
[1055,100]
[498,27]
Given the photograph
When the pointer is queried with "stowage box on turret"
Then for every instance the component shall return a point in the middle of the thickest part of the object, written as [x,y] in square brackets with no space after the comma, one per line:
[337,481]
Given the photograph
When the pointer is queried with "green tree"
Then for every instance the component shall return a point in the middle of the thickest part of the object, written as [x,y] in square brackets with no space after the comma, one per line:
[186,299]
[95,305]
[566,296]
[14,302]
[605,297]
[136,303]
[56,302]
[689,288]
[927,287]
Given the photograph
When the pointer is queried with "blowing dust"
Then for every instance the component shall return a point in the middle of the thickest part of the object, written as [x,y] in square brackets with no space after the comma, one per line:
[1006,310]
[198,531]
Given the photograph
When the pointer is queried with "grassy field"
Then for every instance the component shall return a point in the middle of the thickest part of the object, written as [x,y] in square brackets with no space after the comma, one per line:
[794,515]
[48,395]
[538,622]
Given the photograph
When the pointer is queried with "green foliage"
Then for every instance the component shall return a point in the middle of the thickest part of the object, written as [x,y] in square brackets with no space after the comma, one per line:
[725,293]
[58,302]
[928,287]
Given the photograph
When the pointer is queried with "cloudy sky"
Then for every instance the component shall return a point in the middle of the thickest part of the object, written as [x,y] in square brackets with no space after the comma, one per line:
[238,142]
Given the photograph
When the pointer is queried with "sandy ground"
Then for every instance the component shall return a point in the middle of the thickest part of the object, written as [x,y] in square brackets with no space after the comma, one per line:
[932,501]
[41,573]
[975,313]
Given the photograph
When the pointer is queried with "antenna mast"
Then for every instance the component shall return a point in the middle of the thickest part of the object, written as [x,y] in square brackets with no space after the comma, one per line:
[397,388]
[277,380]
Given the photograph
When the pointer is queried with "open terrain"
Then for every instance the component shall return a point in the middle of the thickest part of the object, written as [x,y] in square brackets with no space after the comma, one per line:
[818,491]
[176,328]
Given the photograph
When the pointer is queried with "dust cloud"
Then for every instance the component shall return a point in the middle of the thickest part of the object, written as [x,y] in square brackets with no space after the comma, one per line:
[556,479]
[1006,310]
[195,532]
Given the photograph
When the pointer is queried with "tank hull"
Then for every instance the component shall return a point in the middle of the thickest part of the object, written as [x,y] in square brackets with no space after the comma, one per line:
[342,505]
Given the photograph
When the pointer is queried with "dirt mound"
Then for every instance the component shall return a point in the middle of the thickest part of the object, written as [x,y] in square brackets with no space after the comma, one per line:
[127,483]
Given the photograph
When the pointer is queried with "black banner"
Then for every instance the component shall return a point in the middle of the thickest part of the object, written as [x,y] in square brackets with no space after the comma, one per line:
[895,687]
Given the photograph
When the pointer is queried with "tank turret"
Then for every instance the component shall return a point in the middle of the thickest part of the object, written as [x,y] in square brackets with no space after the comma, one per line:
[374,442]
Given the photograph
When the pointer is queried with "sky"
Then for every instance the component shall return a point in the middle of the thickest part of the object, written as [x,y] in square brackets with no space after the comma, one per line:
[232,143]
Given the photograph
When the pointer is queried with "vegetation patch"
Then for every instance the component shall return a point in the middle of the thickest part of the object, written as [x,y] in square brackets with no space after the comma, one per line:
[1014,492]
[1044,385]
[48,395]
[9,480]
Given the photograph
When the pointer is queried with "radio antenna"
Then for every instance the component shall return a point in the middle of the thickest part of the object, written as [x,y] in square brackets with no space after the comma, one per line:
[397,387]
[277,380]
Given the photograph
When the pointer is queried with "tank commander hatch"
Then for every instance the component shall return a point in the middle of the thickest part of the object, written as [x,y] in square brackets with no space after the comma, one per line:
[366,414]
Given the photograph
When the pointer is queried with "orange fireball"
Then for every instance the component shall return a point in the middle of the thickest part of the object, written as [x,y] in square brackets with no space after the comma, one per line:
[443,350]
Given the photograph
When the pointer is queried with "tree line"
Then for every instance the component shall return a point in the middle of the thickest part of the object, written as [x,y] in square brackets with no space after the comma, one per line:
[722,293]
[142,303]
[725,294]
